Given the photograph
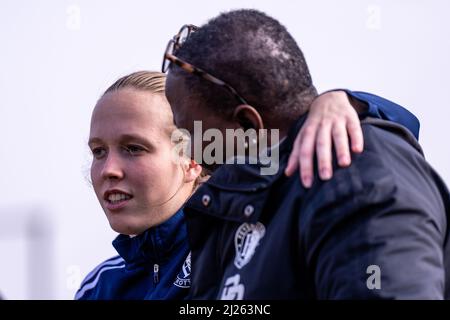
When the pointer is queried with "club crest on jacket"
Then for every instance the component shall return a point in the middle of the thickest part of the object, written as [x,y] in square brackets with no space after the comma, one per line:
[246,240]
[184,277]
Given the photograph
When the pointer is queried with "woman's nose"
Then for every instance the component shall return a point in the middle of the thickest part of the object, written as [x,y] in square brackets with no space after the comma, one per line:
[112,167]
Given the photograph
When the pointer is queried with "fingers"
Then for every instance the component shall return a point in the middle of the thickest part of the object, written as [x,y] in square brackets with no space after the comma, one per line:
[303,153]
[312,138]
[321,138]
[340,140]
[355,132]
[293,161]
[306,154]
[331,120]
[323,150]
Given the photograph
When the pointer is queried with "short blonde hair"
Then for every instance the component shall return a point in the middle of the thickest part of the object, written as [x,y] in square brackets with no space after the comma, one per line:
[152,81]
[149,81]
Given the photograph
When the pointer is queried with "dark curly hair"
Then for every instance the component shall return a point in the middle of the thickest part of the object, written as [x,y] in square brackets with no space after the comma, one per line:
[257,56]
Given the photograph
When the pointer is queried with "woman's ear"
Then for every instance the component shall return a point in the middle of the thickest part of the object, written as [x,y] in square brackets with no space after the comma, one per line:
[248,117]
[191,171]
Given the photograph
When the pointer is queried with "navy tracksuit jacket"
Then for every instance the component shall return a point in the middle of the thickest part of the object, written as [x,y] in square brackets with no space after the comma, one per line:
[154,265]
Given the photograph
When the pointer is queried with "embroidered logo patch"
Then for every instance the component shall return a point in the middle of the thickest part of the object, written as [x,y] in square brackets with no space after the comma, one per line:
[246,240]
[184,277]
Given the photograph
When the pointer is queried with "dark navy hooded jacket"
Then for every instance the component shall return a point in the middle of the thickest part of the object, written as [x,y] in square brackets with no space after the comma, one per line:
[377,230]
[153,265]
[156,264]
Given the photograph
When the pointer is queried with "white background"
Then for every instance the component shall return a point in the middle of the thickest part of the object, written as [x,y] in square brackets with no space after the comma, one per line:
[57,57]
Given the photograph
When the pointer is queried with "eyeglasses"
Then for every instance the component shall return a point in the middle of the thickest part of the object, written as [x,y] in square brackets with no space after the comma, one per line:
[174,44]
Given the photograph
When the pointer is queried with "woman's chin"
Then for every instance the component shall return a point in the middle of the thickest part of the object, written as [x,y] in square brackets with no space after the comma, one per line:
[130,224]
[127,228]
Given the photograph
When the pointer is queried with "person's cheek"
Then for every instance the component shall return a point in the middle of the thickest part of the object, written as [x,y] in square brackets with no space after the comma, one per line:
[141,184]
[95,179]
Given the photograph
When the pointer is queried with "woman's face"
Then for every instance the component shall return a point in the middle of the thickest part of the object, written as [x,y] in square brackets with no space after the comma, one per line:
[135,179]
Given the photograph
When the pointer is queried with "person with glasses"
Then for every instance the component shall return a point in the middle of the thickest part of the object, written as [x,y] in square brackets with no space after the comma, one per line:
[375,229]
[329,122]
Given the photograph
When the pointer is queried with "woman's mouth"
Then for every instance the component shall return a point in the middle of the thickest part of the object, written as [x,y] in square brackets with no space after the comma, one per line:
[115,200]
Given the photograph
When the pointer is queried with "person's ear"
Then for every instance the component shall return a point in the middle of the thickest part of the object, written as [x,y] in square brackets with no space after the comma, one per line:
[191,171]
[248,117]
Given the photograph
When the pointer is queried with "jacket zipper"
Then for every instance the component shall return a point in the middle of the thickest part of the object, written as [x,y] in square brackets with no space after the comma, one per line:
[155,273]
[155,265]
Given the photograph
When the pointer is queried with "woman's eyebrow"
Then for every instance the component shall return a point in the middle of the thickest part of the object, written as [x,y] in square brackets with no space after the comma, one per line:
[94,140]
[136,138]
[126,137]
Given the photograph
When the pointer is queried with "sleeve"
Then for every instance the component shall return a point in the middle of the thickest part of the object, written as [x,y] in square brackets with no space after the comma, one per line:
[373,239]
[382,108]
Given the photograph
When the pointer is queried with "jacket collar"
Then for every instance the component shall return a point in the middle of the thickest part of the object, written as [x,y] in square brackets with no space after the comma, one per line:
[247,177]
[155,244]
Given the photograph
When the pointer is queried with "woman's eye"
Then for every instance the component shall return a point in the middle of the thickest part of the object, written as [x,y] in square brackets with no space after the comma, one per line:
[98,152]
[134,150]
